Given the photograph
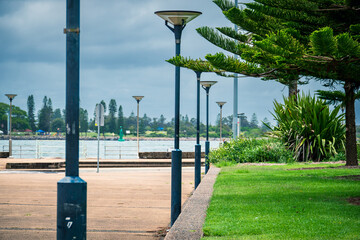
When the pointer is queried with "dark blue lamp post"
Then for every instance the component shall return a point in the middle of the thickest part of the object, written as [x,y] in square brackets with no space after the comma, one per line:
[206,85]
[197,145]
[178,19]
[11,97]
[138,99]
[72,190]
[220,104]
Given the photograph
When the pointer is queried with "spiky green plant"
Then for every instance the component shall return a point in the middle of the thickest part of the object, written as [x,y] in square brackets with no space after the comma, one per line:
[309,127]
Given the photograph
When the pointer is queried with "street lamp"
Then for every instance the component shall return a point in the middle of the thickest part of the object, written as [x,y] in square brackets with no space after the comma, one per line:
[138,99]
[206,85]
[221,104]
[240,116]
[72,190]
[178,19]
[197,145]
[11,97]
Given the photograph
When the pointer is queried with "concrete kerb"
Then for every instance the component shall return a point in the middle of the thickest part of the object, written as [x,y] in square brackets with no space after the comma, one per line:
[189,224]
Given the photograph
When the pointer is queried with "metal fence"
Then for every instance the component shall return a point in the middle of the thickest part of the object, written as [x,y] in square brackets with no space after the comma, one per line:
[43,150]
[119,152]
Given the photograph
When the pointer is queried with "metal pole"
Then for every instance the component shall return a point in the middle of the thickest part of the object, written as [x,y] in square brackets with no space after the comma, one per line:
[197,145]
[238,125]
[10,127]
[72,190]
[176,154]
[98,149]
[220,123]
[138,101]
[235,94]
[207,143]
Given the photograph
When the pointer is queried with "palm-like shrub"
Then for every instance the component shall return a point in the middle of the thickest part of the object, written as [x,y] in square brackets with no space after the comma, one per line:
[308,127]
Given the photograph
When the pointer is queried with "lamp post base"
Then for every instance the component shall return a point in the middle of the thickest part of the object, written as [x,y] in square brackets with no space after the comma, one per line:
[207,150]
[10,148]
[176,163]
[197,164]
[71,208]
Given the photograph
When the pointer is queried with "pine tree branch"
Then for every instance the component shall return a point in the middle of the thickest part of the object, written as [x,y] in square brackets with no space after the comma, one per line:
[338,8]
[225,43]
[230,64]
[197,65]
[224,5]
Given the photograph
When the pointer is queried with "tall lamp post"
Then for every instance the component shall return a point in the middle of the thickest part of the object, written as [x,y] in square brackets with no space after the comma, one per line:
[221,104]
[236,92]
[240,116]
[206,85]
[138,99]
[197,145]
[11,97]
[72,190]
[178,19]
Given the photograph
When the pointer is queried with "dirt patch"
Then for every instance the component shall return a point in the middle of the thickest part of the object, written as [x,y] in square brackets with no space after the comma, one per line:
[350,177]
[312,168]
[261,164]
[354,201]
[161,233]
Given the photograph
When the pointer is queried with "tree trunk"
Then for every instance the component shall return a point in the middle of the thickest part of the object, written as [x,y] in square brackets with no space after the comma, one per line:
[350,145]
[293,90]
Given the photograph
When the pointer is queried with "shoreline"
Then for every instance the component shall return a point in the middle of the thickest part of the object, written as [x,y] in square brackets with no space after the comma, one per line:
[39,137]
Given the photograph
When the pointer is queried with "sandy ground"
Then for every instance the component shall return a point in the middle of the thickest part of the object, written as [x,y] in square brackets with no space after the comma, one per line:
[126,203]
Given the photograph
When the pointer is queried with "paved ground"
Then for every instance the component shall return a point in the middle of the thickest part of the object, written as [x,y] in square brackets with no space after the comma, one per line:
[126,203]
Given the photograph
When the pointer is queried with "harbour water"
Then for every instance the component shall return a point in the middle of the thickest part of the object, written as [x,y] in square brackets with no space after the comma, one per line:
[88,148]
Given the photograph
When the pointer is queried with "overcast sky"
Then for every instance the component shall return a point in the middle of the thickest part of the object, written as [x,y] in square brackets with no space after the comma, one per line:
[123,48]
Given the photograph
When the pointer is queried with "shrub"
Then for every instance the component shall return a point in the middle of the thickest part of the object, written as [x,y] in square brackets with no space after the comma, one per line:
[251,150]
[308,127]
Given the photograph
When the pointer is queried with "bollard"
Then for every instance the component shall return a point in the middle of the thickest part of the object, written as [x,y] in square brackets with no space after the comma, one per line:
[71,208]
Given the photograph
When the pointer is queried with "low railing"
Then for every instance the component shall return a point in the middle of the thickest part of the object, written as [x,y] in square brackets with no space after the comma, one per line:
[120,152]
[46,151]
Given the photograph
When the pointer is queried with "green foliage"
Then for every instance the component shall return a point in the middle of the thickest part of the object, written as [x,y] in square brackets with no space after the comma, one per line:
[230,32]
[196,65]
[58,123]
[251,150]
[19,118]
[31,112]
[111,127]
[224,4]
[83,120]
[45,115]
[324,43]
[337,157]
[309,128]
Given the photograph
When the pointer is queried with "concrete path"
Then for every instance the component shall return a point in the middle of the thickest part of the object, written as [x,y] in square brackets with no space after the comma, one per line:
[189,224]
[126,203]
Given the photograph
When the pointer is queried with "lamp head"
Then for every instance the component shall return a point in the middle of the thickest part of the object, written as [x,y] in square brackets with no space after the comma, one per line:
[207,84]
[138,98]
[11,96]
[178,17]
[221,103]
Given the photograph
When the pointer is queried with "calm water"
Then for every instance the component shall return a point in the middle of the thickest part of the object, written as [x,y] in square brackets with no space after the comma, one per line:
[88,149]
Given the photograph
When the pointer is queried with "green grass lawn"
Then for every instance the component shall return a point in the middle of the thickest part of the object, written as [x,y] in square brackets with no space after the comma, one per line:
[275,202]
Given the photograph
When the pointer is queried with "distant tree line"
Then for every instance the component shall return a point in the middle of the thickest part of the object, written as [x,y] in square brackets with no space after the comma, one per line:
[158,127]
[48,119]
